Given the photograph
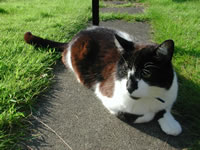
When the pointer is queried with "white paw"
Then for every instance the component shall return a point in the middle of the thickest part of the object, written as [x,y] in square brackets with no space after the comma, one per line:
[145,118]
[169,125]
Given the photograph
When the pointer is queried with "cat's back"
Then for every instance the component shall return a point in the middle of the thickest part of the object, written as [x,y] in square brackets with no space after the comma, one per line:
[93,55]
[99,35]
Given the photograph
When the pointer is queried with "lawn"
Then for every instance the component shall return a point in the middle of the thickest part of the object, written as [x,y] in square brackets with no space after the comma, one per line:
[24,71]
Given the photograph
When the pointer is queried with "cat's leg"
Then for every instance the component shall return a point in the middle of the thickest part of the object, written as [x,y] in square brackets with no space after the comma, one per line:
[112,107]
[169,125]
[145,118]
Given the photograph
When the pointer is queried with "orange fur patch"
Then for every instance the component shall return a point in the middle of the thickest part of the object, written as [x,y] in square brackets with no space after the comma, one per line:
[107,86]
[64,54]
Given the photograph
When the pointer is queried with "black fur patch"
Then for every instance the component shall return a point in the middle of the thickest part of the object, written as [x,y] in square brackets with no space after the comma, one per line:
[126,45]
[127,117]
[161,100]
[159,114]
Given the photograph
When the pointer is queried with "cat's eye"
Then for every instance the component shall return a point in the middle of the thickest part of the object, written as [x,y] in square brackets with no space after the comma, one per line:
[146,73]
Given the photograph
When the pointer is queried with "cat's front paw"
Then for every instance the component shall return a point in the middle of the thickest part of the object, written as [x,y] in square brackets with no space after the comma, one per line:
[169,125]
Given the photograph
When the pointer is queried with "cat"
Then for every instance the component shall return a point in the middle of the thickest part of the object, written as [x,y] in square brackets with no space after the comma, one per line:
[126,75]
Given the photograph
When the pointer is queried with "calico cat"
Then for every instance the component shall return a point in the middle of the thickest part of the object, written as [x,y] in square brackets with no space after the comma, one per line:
[127,76]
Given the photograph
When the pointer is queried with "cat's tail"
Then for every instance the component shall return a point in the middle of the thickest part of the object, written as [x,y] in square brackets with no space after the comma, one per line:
[43,43]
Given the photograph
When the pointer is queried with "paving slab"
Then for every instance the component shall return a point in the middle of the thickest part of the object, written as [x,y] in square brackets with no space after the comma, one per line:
[115,2]
[141,31]
[129,10]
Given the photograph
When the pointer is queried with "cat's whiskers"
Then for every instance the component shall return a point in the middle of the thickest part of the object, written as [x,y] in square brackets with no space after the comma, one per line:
[124,59]
[150,65]
[146,71]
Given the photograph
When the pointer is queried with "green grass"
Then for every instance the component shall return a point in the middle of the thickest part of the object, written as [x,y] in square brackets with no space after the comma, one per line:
[24,71]
[128,4]
[123,16]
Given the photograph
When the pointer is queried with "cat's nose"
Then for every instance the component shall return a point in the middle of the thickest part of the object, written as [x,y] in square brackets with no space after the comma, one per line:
[131,85]
[130,90]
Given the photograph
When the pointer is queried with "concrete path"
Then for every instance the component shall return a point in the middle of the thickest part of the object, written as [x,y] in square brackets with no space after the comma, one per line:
[141,31]
[79,118]
[129,10]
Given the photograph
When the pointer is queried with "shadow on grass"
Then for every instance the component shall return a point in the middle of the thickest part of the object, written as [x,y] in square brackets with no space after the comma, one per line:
[3,11]
[181,1]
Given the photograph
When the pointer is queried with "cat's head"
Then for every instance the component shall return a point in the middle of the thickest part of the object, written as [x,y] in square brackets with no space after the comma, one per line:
[147,67]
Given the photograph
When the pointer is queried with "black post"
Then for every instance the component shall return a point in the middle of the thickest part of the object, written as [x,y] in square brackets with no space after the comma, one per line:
[95,12]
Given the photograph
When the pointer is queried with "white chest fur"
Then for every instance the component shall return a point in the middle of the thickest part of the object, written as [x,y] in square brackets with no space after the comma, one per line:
[122,102]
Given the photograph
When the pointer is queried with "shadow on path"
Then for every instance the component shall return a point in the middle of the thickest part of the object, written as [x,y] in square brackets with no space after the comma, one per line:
[80,119]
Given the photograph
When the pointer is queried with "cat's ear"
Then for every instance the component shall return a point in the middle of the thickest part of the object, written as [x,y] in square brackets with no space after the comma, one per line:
[165,50]
[124,43]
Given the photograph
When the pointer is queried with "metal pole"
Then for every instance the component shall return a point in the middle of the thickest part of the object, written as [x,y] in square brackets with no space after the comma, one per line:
[95,12]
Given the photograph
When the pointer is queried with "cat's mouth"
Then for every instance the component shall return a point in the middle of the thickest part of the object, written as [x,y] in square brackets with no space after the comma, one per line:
[134,97]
